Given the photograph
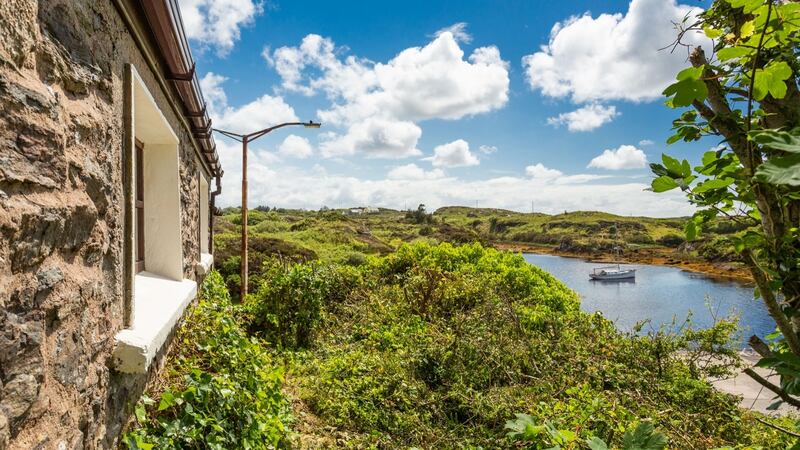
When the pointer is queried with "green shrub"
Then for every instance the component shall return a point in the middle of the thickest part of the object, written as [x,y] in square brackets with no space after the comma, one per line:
[671,240]
[288,306]
[222,389]
[442,344]
[355,259]
[638,237]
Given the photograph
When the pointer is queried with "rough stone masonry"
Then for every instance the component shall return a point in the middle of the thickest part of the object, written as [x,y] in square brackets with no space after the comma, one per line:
[61,221]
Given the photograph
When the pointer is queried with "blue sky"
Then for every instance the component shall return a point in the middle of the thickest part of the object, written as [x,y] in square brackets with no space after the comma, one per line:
[498,104]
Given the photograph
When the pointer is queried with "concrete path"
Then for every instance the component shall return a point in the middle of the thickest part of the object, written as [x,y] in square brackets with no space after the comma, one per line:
[754,396]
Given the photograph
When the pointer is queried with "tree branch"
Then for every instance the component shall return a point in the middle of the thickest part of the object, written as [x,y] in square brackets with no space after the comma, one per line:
[719,114]
[760,346]
[772,387]
[781,429]
[771,302]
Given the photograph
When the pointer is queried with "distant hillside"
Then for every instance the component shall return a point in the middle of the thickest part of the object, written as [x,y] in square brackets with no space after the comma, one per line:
[347,236]
[589,229]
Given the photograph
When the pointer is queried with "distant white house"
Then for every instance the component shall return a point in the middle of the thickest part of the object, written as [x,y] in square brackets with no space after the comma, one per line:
[364,210]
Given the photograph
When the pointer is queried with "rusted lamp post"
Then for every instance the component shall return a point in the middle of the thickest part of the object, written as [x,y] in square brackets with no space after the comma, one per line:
[245,139]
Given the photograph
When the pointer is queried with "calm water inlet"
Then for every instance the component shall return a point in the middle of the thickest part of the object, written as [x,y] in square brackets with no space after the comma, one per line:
[660,294]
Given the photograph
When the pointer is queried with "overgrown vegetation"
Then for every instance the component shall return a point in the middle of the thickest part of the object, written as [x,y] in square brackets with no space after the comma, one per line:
[221,389]
[437,346]
[442,346]
[432,346]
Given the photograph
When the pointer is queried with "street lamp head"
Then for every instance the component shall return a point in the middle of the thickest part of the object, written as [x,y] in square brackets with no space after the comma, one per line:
[311,124]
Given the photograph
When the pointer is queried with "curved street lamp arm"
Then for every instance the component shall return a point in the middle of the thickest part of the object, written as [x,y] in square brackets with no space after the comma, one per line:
[258,134]
[255,135]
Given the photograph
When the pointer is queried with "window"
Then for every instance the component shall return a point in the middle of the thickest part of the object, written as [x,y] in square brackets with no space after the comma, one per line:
[157,291]
[139,203]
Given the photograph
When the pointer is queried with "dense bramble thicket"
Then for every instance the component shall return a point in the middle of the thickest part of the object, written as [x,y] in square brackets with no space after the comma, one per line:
[439,346]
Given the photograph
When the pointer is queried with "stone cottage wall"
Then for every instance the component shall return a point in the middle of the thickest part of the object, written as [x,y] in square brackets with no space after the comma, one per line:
[61,221]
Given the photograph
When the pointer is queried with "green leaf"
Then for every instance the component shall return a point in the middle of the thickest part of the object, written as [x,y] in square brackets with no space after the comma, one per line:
[644,437]
[690,229]
[596,443]
[711,32]
[523,428]
[674,138]
[136,443]
[167,400]
[688,88]
[733,52]
[715,183]
[690,73]
[747,29]
[778,140]
[686,169]
[141,413]
[771,80]
[709,157]
[673,165]
[748,5]
[663,183]
[780,171]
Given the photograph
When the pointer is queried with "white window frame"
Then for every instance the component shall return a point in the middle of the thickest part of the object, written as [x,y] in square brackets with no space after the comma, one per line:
[206,258]
[160,293]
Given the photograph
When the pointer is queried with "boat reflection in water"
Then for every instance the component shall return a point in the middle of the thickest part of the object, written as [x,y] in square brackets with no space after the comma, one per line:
[614,281]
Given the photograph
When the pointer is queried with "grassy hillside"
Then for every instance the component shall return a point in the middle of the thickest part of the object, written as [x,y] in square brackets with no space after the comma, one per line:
[589,229]
[342,237]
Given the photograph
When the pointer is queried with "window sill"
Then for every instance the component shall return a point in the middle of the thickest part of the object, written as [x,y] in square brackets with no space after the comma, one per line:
[158,306]
[204,265]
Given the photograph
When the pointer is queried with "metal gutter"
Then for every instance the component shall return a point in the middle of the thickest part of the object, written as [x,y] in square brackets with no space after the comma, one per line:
[166,25]
[189,115]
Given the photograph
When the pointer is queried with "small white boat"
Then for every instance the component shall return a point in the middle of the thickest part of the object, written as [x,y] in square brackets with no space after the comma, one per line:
[612,273]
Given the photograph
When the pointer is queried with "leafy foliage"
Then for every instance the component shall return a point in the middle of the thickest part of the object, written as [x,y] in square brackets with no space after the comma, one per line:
[222,390]
[287,309]
[441,344]
[524,428]
[751,100]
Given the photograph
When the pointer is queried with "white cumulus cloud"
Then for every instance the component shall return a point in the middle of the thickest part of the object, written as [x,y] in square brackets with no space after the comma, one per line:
[414,172]
[459,32]
[217,23]
[487,149]
[295,147]
[375,138]
[586,118]
[260,113]
[435,81]
[541,172]
[623,157]
[612,56]
[453,154]
[646,142]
